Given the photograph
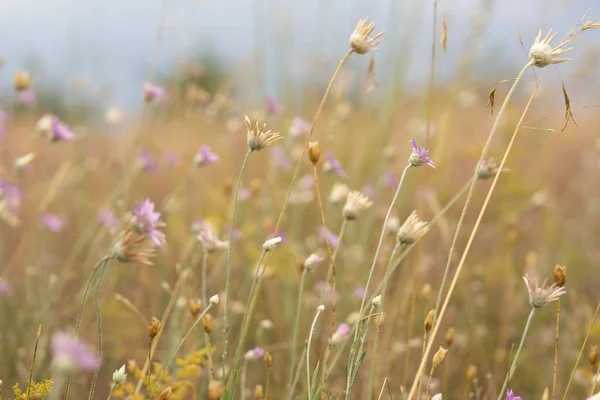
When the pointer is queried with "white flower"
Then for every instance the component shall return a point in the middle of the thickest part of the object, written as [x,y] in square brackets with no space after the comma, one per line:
[272,244]
[312,261]
[119,376]
[412,229]
[437,397]
[320,308]
[339,192]
[266,324]
[542,54]
[24,161]
[214,300]
[355,204]
[377,301]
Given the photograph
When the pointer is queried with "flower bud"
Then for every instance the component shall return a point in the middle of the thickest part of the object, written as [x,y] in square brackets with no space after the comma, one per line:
[593,356]
[207,323]
[438,357]
[215,390]
[429,321]
[314,152]
[154,327]
[166,394]
[195,306]
[560,275]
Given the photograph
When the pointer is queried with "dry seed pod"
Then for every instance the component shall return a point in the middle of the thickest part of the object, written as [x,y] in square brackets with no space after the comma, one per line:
[195,306]
[259,393]
[207,323]
[471,372]
[215,390]
[429,321]
[449,337]
[593,356]
[166,394]
[560,275]
[314,152]
[438,357]
[154,327]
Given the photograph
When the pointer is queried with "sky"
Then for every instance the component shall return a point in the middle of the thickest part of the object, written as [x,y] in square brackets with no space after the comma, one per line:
[111,43]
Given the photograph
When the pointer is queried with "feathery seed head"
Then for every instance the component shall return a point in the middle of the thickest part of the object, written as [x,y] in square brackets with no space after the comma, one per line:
[412,229]
[258,136]
[356,202]
[361,40]
[543,54]
[539,296]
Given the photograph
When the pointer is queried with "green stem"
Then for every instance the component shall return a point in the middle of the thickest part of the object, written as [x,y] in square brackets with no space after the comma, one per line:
[228,265]
[204,276]
[310,334]
[112,387]
[99,330]
[296,326]
[513,365]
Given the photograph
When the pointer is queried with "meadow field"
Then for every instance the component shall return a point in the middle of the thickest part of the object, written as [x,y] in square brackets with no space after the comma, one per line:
[355,237]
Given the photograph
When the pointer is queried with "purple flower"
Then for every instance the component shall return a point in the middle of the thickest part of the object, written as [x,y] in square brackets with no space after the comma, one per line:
[511,396]
[332,164]
[154,93]
[205,156]
[53,222]
[326,234]
[5,288]
[341,333]
[107,219]
[71,354]
[273,106]
[299,127]
[280,159]
[420,155]
[146,162]
[3,119]
[60,131]
[27,97]
[254,354]
[10,196]
[283,236]
[148,221]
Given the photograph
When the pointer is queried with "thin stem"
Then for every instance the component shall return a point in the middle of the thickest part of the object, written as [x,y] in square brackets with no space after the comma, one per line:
[296,326]
[112,387]
[150,365]
[243,380]
[247,316]
[100,264]
[228,264]
[333,276]
[267,381]
[439,315]
[595,380]
[587,335]
[429,382]
[99,330]
[204,276]
[556,350]
[37,341]
[381,236]
[310,334]
[431,74]
[297,376]
[353,370]
[513,365]
[179,347]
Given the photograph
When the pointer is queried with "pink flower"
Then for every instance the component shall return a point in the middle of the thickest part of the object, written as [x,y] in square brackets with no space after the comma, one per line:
[148,221]
[299,127]
[60,131]
[53,222]
[420,155]
[511,396]
[154,93]
[332,238]
[27,97]
[332,164]
[107,218]
[71,354]
[273,106]
[205,156]
[146,162]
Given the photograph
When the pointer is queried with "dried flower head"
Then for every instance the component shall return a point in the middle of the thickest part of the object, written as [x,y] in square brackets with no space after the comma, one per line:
[356,202]
[312,261]
[214,300]
[119,376]
[539,296]
[412,229]
[258,136]
[207,323]
[259,393]
[560,275]
[131,246]
[268,359]
[272,244]
[361,41]
[207,236]
[429,320]
[22,81]
[419,155]
[339,193]
[314,153]
[449,337]
[489,168]
[376,301]
[543,54]
[53,129]
[471,372]
[195,307]
[593,355]
[154,327]
[438,357]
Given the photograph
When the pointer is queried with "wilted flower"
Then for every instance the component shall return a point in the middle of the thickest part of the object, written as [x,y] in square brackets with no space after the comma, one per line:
[419,155]
[542,54]
[153,92]
[107,219]
[205,156]
[412,229]
[272,244]
[148,222]
[299,127]
[511,396]
[327,235]
[145,161]
[119,376]
[259,137]
[539,296]
[312,261]
[273,106]
[53,222]
[339,193]
[209,240]
[254,354]
[361,41]
[355,204]
[332,164]
[71,354]
[341,333]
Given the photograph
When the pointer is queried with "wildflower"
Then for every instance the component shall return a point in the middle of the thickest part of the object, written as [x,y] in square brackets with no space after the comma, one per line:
[359,292]
[145,161]
[339,193]
[489,168]
[436,396]
[254,354]
[22,81]
[542,54]
[419,155]
[53,222]
[259,137]
[208,238]
[71,354]
[272,244]
[539,296]
[153,92]
[412,229]
[355,204]
[391,180]
[328,236]
[27,98]
[361,41]
[273,106]
[107,219]
[341,334]
[280,159]
[55,130]
[511,396]
[376,301]
[10,201]
[299,127]
[205,156]
[312,261]
[214,300]
[333,165]
[119,376]
[148,222]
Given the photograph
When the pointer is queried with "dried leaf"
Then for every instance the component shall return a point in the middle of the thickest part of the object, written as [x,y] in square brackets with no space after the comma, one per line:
[491,99]
[569,117]
[371,81]
[444,35]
